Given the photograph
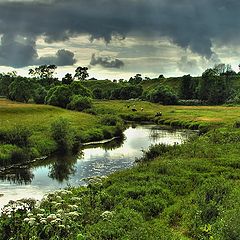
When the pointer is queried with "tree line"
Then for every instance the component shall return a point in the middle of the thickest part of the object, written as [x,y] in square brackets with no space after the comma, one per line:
[215,86]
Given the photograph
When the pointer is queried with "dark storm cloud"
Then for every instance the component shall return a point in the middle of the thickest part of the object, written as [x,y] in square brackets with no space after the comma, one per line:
[62,58]
[19,52]
[106,62]
[188,23]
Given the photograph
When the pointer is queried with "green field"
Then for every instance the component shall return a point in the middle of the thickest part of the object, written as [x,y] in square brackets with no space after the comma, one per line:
[38,119]
[189,191]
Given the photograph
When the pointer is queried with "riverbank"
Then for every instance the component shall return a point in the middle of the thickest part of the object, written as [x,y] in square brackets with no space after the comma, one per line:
[25,130]
[57,172]
[29,125]
[190,191]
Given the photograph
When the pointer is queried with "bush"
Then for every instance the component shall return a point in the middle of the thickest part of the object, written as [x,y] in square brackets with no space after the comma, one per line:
[237,124]
[80,103]
[19,156]
[155,151]
[110,120]
[162,94]
[18,135]
[63,134]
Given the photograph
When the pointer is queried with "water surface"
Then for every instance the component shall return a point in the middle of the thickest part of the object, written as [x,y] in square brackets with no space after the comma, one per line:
[58,172]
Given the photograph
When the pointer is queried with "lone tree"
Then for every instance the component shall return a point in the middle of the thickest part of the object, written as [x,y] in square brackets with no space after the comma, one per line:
[81,73]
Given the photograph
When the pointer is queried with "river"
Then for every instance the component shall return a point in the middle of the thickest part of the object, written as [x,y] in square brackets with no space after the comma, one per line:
[38,179]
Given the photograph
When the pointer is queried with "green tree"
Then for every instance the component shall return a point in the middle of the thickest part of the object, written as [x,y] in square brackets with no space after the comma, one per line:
[44,75]
[43,71]
[63,134]
[162,94]
[67,79]
[136,79]
[78,89]
[81,73]
[21,90]
[79,103]
[5,81]
[214,88]
[187,88]
[205,83]
[59,96]
[40,94]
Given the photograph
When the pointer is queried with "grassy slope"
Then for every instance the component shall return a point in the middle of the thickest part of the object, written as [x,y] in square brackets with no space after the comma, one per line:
[174,83]
[190,192]
[182,115]
[38,119]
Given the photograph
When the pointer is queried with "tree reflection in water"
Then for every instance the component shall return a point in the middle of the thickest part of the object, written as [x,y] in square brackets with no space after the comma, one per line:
[18,176]
[63,167]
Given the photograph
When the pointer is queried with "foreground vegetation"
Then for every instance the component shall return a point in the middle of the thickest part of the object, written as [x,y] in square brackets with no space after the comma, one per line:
[189,191]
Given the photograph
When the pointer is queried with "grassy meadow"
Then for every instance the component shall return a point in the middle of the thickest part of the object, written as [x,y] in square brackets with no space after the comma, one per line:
[182,192]
[186,116]
[38,119]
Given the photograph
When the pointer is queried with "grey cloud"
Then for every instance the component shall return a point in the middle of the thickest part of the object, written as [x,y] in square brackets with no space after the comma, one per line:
[62,58]
[106,62]
[188,65]
[189,24]
[17,51]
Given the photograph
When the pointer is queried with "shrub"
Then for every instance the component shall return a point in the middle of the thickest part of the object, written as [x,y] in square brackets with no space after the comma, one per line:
[63,134]
[110,120]
[98,93]
[237,124]
[19,156]
[79,103]
[5,153]
[230,226]
[18,135]
[155,151]
[162,94]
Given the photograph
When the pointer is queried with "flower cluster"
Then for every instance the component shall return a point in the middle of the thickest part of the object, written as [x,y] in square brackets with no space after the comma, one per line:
[59,212]
[22,205]
[107,215]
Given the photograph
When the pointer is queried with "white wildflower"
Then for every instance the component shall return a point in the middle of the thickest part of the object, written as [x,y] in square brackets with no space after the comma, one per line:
[76,199]
[73,214]
[26,219]
[107,215]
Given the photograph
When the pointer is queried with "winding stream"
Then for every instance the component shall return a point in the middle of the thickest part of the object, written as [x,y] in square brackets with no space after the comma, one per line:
[38,179]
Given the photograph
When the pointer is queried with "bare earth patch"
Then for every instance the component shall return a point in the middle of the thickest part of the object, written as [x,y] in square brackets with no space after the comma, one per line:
[208,119]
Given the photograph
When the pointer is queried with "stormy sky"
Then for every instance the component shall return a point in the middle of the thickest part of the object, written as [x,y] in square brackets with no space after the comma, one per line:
[119,38]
